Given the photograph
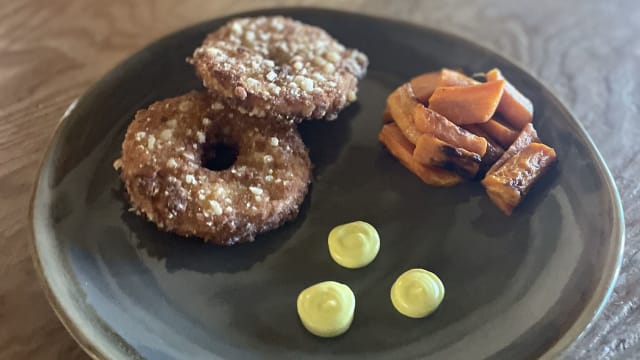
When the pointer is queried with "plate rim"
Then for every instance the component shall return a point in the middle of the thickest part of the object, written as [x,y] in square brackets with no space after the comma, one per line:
[579,327]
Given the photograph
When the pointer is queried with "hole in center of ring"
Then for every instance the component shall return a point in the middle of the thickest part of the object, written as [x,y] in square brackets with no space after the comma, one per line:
[219,156]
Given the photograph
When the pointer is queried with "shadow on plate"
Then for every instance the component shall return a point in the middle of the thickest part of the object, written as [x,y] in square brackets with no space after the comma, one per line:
[326,139]
[182,253]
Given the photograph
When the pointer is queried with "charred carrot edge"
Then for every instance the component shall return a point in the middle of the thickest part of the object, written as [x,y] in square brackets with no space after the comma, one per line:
[468,104]
[500,132]
[512,181]
[391,136]
[514,106]
[430,122]
[401,103]
[527,136]
[493,153]
[432,151]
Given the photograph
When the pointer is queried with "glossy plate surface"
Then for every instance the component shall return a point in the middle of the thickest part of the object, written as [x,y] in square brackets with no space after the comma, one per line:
[516,288]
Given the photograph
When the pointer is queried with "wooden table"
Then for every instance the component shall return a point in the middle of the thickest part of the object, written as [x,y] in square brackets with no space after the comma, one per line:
[588,52]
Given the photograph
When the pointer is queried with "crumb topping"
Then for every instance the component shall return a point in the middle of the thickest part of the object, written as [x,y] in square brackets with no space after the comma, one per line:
[161,166]
[279,65]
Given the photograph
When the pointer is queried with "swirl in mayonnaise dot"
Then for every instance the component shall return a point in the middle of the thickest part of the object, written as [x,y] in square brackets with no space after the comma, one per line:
[326,309]
[417,293]
[354,245]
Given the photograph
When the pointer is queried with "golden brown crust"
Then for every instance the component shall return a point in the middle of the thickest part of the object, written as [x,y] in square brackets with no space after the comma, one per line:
[279,66]
[162,172]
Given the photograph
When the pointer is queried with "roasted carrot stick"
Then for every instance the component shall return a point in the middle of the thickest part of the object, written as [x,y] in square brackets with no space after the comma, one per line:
[468,104]
[515,107]
[386,116]
[430,122]
[450,77]
[423,85]
[402,149]
[500,132]
[401,103]
[494,150]
[510,183]
[432,151]
[527,136]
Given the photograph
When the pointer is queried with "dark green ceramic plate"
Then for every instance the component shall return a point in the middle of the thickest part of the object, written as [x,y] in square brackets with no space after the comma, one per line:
[518,287]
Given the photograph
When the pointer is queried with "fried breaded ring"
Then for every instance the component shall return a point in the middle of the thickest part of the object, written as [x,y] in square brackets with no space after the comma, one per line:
[161,167]
[276,65]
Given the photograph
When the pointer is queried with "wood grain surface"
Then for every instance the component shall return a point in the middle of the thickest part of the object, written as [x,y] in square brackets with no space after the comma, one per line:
[588,52]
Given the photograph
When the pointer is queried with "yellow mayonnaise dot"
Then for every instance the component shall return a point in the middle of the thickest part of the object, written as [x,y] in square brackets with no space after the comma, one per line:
[354,245]
[326,309]
[417,293]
